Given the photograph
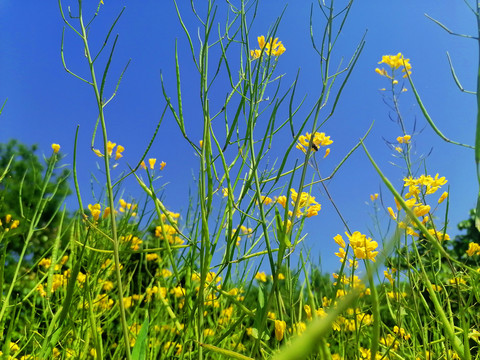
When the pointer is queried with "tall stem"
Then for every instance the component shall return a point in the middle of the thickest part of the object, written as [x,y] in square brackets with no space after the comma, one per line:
[113,223]
[477,132]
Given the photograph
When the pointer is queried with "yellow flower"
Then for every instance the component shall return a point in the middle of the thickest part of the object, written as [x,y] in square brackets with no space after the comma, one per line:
[56,148]
[373,197]
[15,224]
[443,197]
[208,332]
[319,139]
[152,162]
[363,247]
[392,213]
[339,240]
[266,200]
[421,210]
[97,152]
[282,200]
[389,276]
[439,235]
[473,249]
[165,273]
[260,276]
[394,61]
[404,139]
[272,47]
[110,146]
[151,257]
[280,327]
[118,153]
[95,210]
[162,165]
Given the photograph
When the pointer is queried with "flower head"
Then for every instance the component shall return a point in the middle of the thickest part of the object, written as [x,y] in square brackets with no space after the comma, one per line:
[272,47]
[118,153]
[110,146]
[152,162]
[319,139]
[395,62]
[56,148]
[280,327]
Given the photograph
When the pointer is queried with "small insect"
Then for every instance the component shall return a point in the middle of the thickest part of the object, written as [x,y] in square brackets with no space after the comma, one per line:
[314,147]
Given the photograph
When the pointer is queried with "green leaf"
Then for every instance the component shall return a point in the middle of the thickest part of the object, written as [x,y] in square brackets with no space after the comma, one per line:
[140,349]
[261,298]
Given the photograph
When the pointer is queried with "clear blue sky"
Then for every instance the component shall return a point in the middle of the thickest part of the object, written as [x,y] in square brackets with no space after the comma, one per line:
[45,104]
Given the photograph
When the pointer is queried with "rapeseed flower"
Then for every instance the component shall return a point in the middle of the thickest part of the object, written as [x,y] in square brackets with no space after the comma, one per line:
[395,62]
[473,249]
[363,247]
[272,47]
[443,197]
[110,146]
[152,162]
[95,210]
[261,276]
[151,257]
[56,148]
[404,139]
[118,153]
[280,327]
[319,139]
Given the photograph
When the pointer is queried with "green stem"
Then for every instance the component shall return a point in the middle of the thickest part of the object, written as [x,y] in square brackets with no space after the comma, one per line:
[477,131]
[113,223]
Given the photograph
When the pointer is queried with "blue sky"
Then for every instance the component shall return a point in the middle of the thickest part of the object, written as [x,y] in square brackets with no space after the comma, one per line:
[45,104]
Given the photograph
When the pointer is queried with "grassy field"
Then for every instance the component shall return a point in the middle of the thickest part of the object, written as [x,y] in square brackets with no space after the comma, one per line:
[123,279]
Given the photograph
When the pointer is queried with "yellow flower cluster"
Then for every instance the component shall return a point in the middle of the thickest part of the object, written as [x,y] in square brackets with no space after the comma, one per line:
[110,147]
[261,276]
[319,139]
[133,240]
[307,205]
[431,184]
[404,139]
[423,185]
[353,282]
[396,295]
[473,249]
[8,224]
[95,210]
[127,206]
[389,273]
[395,62]
[169,233]
[401,332]
[244,231]
[272,47]
[59,280]
[363,247]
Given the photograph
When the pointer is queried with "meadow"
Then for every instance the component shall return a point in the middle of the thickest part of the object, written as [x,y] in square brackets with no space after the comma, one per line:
[124,278]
